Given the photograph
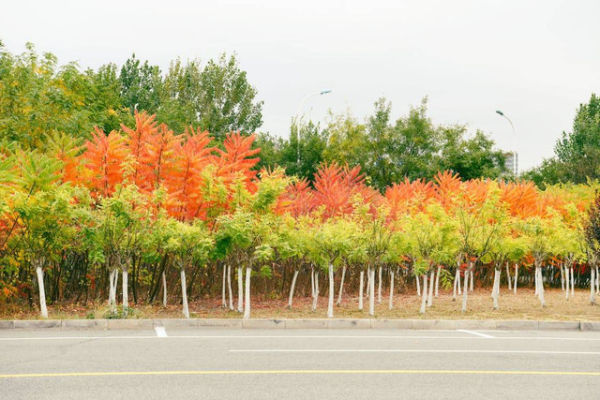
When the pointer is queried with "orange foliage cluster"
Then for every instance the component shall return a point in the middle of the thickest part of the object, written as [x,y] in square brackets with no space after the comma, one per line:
[151,156]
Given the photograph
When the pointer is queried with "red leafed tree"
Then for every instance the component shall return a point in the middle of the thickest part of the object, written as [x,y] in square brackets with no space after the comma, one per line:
[158,158]
[104,160]
[336,187]
[184,183]
[137,140]
[297,199]
[403,196]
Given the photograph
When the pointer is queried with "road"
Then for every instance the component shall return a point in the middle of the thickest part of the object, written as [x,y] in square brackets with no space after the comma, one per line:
[298,364]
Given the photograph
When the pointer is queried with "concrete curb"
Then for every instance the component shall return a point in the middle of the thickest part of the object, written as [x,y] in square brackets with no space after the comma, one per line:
[308,323]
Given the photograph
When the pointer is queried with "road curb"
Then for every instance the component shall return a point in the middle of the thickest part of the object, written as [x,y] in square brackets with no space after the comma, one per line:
[302,323]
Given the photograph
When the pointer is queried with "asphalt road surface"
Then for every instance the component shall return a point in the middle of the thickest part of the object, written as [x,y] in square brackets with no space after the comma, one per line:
[298,364]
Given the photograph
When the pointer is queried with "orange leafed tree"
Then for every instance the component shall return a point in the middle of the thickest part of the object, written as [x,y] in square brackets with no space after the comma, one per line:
[103,160]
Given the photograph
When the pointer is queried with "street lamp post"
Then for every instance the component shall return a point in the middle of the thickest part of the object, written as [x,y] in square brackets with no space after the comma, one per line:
[298,118]
[515,156]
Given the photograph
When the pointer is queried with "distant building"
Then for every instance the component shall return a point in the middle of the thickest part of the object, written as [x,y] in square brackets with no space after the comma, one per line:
[512,162]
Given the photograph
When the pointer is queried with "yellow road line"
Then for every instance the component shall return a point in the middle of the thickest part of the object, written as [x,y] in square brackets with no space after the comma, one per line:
[301,372]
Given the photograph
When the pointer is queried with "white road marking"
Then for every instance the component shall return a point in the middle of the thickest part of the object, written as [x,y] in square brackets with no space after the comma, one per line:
[475,333]
[160,331]
[131,337]
[585,353]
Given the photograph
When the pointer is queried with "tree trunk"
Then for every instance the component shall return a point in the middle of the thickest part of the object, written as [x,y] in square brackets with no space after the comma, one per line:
[496,288]
[437,281]
[592,288]
[184,299]
[229,290]
[240,280]
[223,295]
[293,287]
[331,292]
[125,292]
[456,286]
[372,292]
[424,297]
[471,280]
[391,303]
[339,299]
[537,282]
[572,283]
[316,296]
[509,280]
[541,283]
[247,294]
[111,296]
[567,283]
[431,284]
[379,273]
[40,279]
[361,289]
[597,281]
[164,282]
[418,285]
[516,277]
[562,278]
[466,289]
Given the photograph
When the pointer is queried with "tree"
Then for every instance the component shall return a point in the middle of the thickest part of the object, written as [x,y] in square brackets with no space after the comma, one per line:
[190,245]
[228,101]
[141,86]
[577,153]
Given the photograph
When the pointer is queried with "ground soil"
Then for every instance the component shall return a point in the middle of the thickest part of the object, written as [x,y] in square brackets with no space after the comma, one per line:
[524,305]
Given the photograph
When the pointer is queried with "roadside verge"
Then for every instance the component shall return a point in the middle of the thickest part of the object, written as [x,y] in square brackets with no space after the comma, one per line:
[315,323]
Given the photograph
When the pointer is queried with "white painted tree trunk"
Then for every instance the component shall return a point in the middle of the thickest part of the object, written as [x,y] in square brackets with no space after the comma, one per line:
[229,290]
[184,299]
[516,278]
[455,284]
[240,293]
[112,293]
[562,277]
[40,279]
[537,282]
[567,284]
[496,288]
[316,296]
[424,297]
[372,292]
[223,295]
[125,291]
[361,289]
[291,299]
[391,303]
[247,294]
[465,290]
[508,279]
[592,284]
[597,281]
[111,296]
[541,280]
[312,282]
[459,286]
[471,280]
[164,282]
[379,278]
[418,285]
[437,281]
[331,292]
[431,284]
[572,283]
[339,299]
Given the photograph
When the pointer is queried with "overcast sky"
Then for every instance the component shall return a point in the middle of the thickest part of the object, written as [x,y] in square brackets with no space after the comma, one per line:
[535,60]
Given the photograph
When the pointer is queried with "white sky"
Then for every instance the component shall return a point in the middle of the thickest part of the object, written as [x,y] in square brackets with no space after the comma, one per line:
[535,60]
